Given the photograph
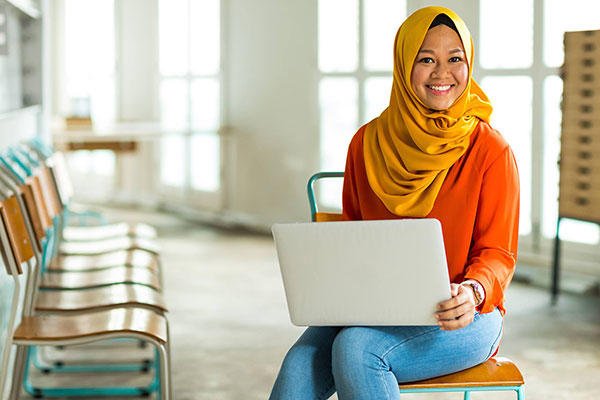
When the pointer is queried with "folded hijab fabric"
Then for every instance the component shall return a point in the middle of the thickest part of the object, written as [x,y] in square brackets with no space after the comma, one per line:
[409,148]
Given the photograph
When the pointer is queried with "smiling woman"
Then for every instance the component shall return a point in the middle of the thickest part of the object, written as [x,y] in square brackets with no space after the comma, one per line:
[430,154]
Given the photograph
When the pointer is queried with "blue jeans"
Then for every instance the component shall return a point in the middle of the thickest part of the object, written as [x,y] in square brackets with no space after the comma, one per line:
[365,362]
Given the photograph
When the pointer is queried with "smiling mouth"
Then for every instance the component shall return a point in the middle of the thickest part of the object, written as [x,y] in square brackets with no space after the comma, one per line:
[439,89]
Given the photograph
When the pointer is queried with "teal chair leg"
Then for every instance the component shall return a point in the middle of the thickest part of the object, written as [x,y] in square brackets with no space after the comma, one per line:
[520,393]
[467,395]
[40,392]
[58,365]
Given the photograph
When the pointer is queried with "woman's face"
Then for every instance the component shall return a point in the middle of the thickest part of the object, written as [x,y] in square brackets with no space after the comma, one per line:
[440,71]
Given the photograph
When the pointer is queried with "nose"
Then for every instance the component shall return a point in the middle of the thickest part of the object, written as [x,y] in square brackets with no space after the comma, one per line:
[441,70]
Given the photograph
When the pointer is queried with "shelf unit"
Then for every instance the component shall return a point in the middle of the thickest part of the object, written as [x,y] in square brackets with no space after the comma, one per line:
[21,70]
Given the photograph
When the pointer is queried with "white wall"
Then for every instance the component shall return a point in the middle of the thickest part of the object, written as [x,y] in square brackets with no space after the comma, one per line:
[271,100]
[137,59]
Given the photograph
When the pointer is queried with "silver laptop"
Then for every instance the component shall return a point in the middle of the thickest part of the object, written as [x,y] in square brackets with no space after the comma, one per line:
[390,272]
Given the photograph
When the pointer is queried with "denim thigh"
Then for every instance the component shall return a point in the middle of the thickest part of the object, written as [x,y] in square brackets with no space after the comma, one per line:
[420,352]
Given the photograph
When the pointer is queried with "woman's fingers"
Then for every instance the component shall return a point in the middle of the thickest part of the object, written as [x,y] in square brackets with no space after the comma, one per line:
[461,322]
[459,296]
[454,313]
[457,312]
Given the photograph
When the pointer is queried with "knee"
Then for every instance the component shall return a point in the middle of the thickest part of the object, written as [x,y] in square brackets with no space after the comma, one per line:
[352,348]
[348,345]
[296,359]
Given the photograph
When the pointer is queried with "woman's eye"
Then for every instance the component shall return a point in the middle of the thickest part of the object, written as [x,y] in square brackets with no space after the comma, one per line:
[455,59]
[426,60]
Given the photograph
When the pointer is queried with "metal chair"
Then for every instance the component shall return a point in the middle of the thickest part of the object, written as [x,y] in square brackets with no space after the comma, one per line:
[86,327]
[495,374]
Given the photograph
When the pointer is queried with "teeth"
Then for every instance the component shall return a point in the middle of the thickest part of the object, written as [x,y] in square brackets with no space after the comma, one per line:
[440,88]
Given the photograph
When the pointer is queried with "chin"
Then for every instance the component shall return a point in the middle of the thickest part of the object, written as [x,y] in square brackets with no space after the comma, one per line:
[438,107]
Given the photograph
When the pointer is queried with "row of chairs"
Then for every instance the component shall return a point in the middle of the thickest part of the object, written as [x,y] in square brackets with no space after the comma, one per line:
[71,286]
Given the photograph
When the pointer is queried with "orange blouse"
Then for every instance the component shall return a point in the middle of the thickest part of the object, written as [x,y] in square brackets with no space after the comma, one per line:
[478,207]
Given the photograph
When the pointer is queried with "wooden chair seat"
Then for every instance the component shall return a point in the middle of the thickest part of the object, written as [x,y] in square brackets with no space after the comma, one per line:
[499,371]
[118,295]
[108,231]
[97,278]
[132,258]
[107,246]
[327,217]
[50,328]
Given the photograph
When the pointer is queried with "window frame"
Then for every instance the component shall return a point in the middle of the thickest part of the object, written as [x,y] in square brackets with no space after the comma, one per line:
[187,195]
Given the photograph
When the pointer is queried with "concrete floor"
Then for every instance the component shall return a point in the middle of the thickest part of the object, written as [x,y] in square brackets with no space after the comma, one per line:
[230,328]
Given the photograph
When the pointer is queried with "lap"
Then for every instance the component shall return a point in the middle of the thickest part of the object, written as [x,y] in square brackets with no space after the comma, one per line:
[420,352]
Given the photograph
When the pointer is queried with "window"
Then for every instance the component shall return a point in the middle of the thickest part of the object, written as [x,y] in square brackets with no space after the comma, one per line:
[356,42]
[190,94]
[89,78]
[89,45]
[530,120]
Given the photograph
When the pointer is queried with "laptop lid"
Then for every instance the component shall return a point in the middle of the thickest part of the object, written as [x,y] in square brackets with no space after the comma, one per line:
[386,272]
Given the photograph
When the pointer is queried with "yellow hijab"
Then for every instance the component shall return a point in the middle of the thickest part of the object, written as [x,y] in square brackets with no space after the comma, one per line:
[409,148]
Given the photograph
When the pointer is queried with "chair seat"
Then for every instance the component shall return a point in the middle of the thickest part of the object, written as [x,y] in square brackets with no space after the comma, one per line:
[100,232]
[54,328]
[131,258]
[499,371]
[89,279]
[107,246]
[118,295]
[327,217]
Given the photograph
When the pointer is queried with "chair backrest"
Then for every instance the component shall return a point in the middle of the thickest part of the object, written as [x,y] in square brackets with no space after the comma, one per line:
[31,203]
[39,225]
[17,248]
[315,214]
[14,222]
[62,180]
[12,296]
[33,183]
[49,191]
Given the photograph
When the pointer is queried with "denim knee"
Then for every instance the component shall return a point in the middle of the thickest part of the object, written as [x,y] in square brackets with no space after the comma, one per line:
[351,350]
[297,360]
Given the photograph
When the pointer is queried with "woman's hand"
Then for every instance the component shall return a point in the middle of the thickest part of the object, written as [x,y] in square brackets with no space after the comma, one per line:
[458,311]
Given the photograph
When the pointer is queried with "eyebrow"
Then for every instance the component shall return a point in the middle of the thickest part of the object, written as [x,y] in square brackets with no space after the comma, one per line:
[453,51]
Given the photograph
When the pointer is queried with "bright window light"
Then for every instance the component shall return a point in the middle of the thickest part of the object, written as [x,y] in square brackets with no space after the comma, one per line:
[377,96]
[190,92]
[338,35]
[506,33]
[205,154]
[512,117]
[172,165]
[338,106]
[89,59]
[382,18]
[562,16]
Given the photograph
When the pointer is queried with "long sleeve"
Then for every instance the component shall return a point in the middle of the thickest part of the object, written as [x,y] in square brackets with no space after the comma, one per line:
[350,201]
[493,253]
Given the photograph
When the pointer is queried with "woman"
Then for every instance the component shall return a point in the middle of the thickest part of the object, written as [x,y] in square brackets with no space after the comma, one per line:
[431,153]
